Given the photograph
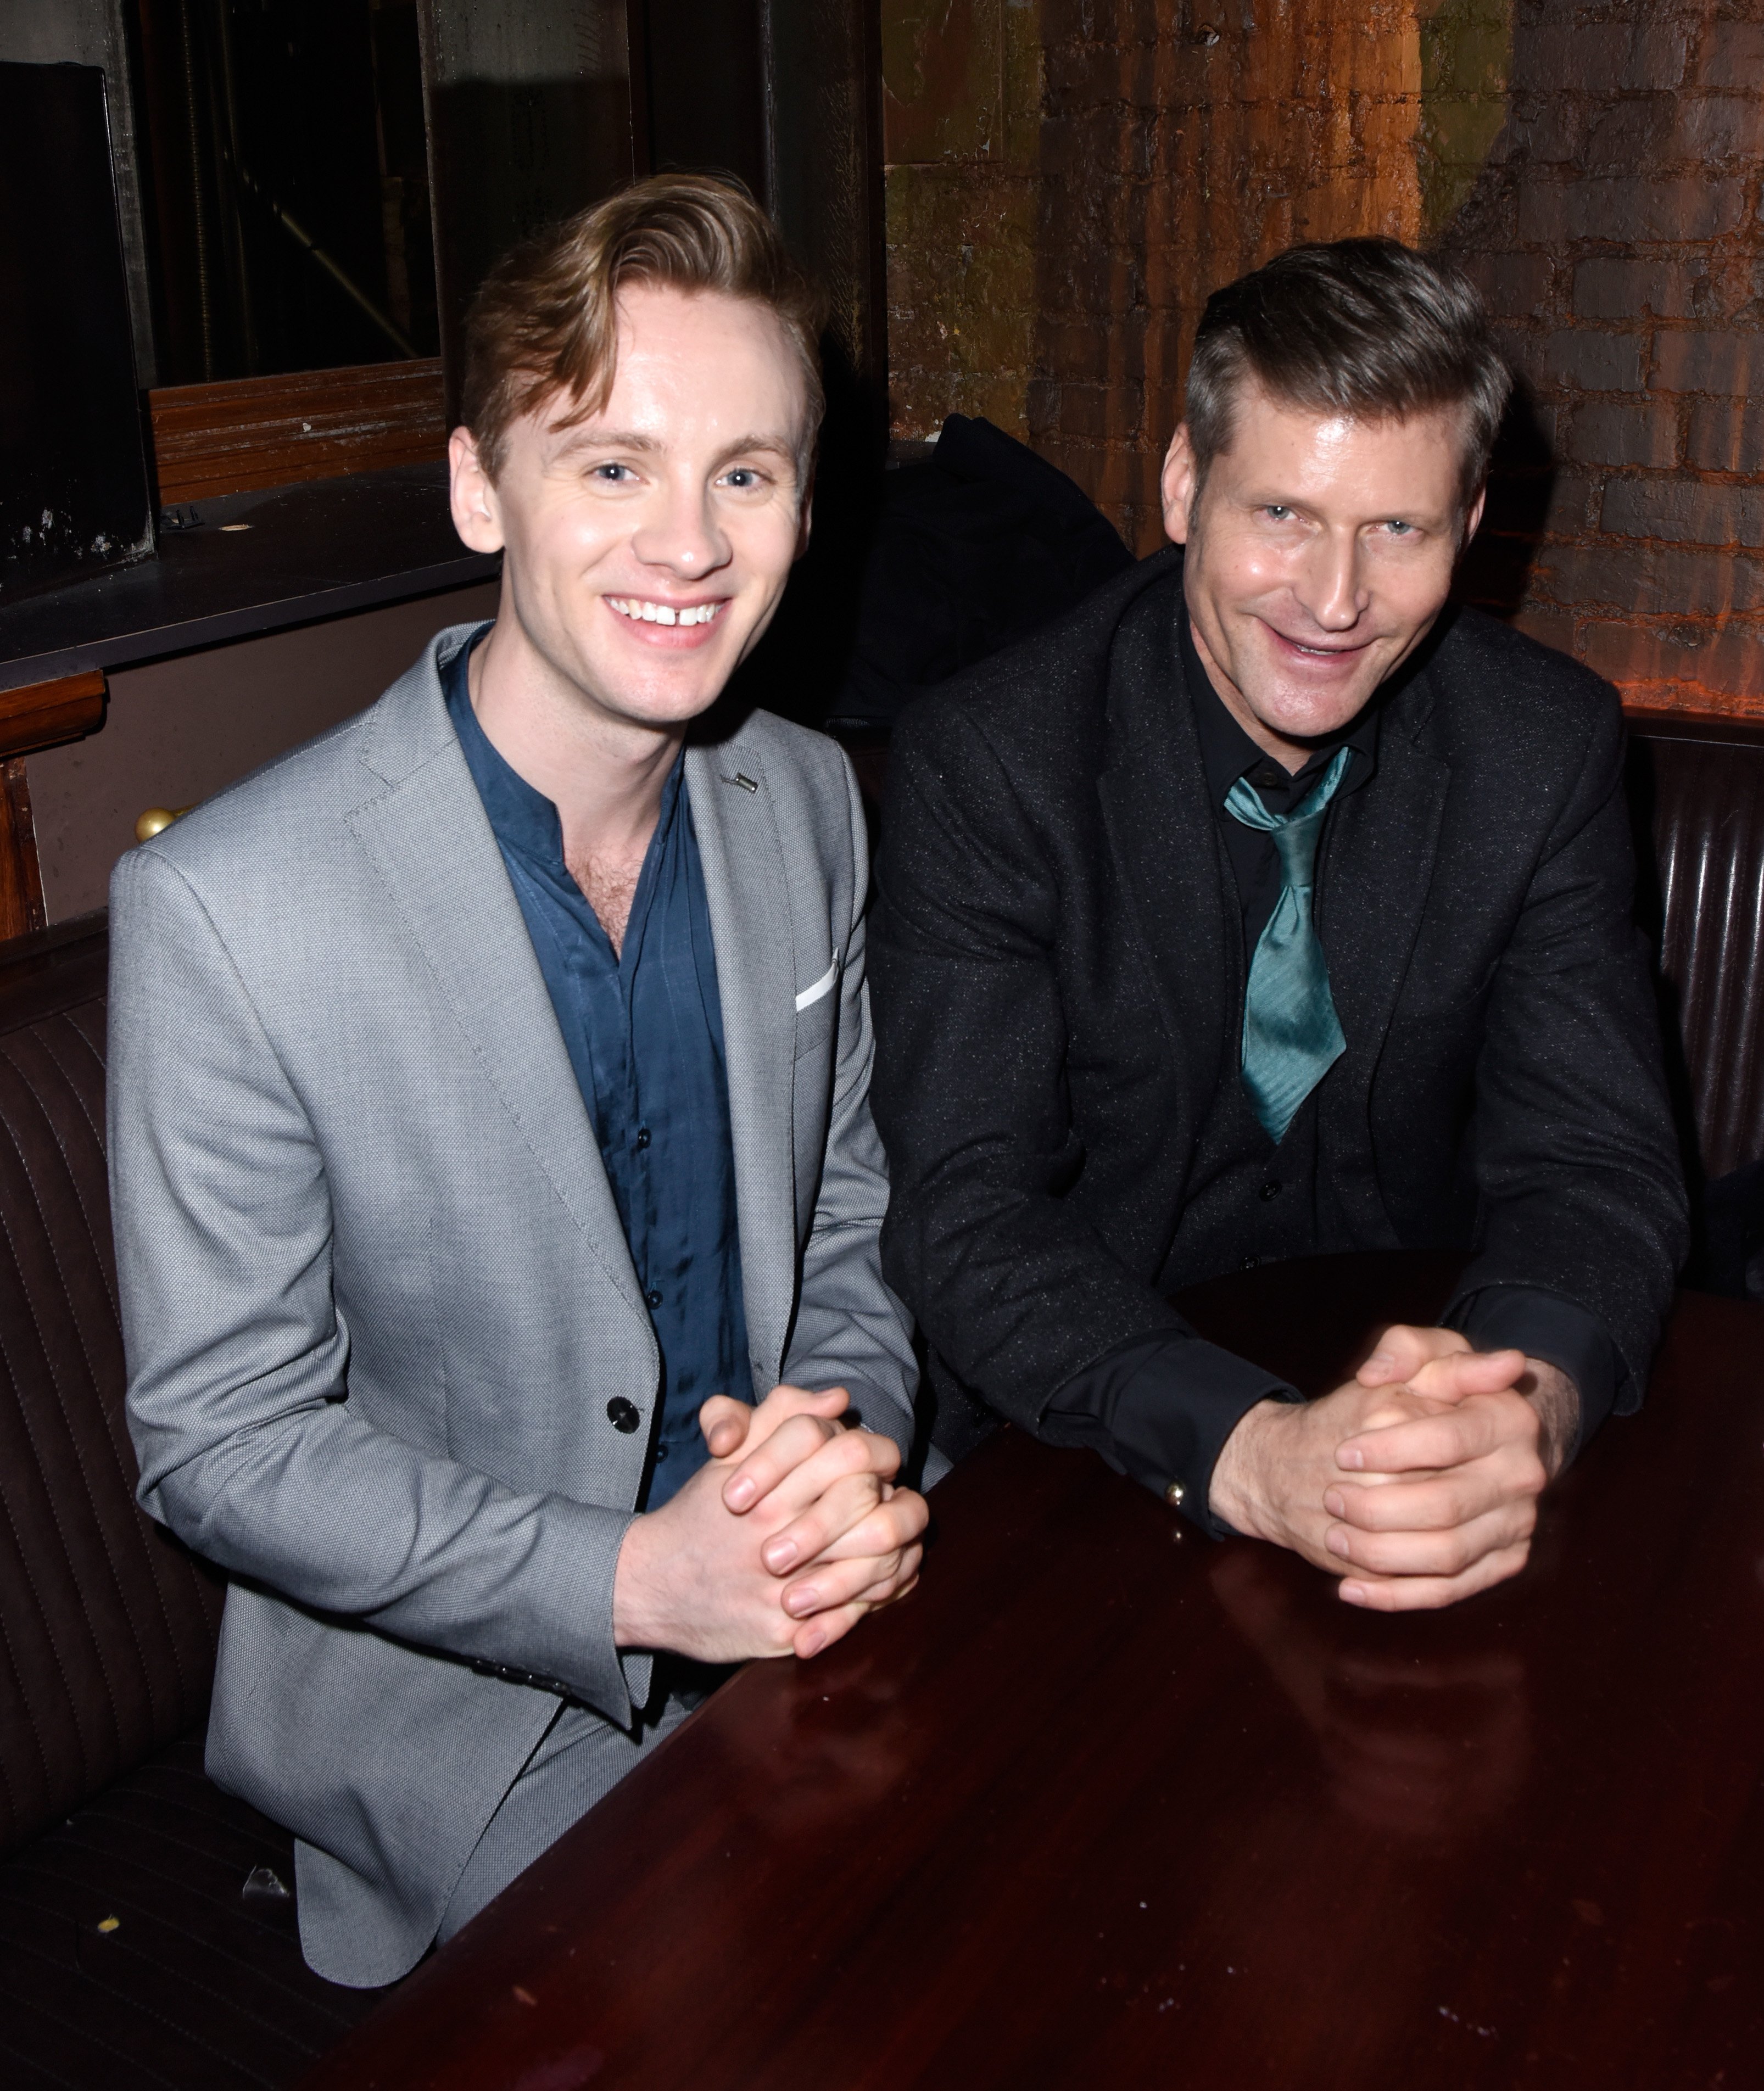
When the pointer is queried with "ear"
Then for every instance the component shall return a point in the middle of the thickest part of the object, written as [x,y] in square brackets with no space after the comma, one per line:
[471,495]
[1176,483]
[1472,519]
[805,520]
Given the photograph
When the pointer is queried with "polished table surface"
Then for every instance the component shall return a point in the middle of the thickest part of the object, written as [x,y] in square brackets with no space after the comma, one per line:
[1105,1804]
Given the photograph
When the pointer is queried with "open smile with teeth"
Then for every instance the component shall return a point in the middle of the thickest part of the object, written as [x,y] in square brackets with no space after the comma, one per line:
[640,610]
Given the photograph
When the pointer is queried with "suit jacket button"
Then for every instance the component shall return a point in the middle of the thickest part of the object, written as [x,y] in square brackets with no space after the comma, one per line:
[621,1414]
[1174,1493]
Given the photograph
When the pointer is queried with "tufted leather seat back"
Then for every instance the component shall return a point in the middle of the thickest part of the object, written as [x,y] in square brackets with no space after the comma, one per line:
[1697,788]
[107,1626]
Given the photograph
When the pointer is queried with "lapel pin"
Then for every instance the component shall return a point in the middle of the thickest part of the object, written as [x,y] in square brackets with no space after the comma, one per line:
[746,783]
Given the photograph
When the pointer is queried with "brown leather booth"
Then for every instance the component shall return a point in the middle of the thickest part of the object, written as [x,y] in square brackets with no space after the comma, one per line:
[146,1932]
[1697,789]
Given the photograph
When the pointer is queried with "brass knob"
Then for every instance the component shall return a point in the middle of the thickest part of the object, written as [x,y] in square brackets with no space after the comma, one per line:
[156,820]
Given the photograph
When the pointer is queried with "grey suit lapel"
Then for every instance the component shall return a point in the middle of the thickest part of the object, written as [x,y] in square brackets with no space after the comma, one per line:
[747,890]
[1162,834]
[427,836]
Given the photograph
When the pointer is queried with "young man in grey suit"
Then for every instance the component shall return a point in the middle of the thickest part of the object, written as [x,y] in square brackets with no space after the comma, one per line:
[489,1129]
[1265,908]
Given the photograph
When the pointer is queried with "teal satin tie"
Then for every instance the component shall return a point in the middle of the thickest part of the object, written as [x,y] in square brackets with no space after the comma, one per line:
[1292,1034]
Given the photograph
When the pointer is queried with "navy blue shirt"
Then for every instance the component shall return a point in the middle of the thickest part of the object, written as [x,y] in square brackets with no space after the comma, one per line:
[644,1032]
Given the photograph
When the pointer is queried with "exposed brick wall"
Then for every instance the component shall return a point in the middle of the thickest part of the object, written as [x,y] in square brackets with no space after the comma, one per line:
[1180,146]
[1069,179]
[1616,230]
[962,101]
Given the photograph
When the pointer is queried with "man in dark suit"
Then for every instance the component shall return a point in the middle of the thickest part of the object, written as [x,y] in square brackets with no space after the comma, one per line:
[1262,907]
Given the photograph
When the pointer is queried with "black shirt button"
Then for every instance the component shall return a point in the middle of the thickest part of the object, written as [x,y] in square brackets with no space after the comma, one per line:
[623,1415]
[653,1297]
[643,1137]
[1270,1189]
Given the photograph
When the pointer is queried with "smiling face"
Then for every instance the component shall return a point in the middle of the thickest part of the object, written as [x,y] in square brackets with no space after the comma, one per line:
[646,549]
[1320,551]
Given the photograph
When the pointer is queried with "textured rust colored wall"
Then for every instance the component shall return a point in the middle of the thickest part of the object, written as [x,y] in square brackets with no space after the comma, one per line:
[962,114]
[1180,146]
[1616,230]
[1069,178]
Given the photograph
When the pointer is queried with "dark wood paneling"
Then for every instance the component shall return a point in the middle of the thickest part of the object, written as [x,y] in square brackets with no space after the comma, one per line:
[825,169]
[698,87]
[38,715]
[260,431]
[33,717]
[529,105]
[1105,1803]
[21,878]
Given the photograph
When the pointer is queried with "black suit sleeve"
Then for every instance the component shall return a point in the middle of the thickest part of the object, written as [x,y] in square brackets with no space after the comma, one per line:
[1015,1289]
[1580,1192]
[1159,1410]
[1518,1318]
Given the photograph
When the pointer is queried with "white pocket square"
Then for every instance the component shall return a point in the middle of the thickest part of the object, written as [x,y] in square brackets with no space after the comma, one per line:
[823,986]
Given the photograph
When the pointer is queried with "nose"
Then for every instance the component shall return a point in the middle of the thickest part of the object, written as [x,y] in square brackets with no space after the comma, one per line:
[679,532]
[1330,589]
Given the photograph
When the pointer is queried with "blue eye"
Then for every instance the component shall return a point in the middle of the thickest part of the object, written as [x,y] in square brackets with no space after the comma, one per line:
[743,475]
[1398,528]
[612,475]
[1277,511]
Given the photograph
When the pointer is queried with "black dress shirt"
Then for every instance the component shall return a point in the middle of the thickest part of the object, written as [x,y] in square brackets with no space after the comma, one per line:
[644,1032]
[1159,1408]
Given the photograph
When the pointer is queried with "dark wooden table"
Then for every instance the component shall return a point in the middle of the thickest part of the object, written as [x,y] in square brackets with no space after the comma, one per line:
[1107,1805]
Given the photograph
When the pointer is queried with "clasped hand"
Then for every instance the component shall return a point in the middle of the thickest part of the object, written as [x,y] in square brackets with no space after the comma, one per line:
[780,1545]
[1417,1481]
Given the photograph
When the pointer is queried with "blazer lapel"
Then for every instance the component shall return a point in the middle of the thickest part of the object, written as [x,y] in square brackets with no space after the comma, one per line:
[1377,866]
[747,894]
[1162,834]
[1373,880]
[428,837]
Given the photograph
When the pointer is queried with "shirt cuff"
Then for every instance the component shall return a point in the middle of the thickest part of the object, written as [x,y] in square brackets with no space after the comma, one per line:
[1544,1326]
[1159,1409]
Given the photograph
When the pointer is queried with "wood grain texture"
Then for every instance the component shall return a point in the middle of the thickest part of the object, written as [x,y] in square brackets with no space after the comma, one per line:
[1107,1805]
[33,717]
[38,715]
[258,432]
[21,876]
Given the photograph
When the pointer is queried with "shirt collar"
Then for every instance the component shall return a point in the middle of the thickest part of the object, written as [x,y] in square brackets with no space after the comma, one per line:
[1227,752]
[522,818]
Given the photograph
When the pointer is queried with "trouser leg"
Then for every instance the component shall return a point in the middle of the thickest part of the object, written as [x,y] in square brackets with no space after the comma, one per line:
[580,1760]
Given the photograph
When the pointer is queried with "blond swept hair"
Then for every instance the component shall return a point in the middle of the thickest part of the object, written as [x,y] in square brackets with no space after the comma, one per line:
[544,322]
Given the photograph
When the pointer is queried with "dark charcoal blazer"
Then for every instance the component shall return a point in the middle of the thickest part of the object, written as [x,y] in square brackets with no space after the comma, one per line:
[1053,991]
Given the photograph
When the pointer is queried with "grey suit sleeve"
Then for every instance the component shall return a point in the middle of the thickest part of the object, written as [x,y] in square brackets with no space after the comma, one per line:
[251,1448]
[851,1330]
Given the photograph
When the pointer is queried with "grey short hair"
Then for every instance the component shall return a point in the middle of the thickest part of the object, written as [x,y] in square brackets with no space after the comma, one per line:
[1363,327]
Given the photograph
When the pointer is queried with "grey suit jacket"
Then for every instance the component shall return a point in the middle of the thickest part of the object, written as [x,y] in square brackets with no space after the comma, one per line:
[376,1295]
